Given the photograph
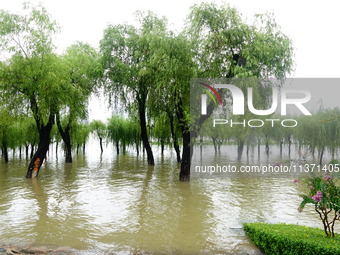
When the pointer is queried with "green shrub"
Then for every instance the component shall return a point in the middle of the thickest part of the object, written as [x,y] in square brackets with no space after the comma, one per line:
[292,239]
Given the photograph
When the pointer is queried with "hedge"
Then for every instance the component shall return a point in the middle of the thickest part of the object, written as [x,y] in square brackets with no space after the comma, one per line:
[292,239]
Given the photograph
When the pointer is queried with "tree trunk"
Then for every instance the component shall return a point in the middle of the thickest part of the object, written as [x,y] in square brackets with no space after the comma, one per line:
[162,146]
[240,149]
[117,147]
[214,143]
[26,151]
[174,137]
[289,146]
[219,144]
[137,148]
[144,133]
[184,174]
[321,155]
[32,150]
[39,156]
[65,135]
[247,150]
[56,149]
[5,151]
[101,144]
[188,138]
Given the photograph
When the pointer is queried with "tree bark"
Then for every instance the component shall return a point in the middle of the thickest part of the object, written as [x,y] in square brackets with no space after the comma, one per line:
[101,144]
[39,156]
[117,147]
[44,139]
[32,151]
[26,150]
[174,137]
[5,151]
[144,133]
[188,138]
[65,135]
[184,174]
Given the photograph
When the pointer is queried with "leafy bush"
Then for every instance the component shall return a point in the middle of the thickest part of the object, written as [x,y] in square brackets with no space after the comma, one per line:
[292,239]
[324,194]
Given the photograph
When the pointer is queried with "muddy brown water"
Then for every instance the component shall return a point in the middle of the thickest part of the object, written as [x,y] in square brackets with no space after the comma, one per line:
[113,204]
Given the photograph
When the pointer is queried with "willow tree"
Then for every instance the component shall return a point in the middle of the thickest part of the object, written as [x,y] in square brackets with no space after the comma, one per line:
[83,69]
[172,94]
[123,132]
[129,58]
[80,134]
[226,46]
[99,128]
[161,130]
[33,76]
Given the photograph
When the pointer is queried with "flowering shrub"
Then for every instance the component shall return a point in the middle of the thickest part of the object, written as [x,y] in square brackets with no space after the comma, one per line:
[324,194]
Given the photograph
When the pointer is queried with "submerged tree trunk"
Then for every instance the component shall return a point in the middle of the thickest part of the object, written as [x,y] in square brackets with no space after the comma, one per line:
[26,150]
[101,144]
[32,150]
[117,147]
[321,155]
[162,146]
[39,156]
[289,146]
[267,146]
[186,157]
[56,151]
[5,151]
[219,144]
[240,147]
[65,135]
[281,145]
[174,137]
[188,138]
[44,139]
[214,138]
[144,133]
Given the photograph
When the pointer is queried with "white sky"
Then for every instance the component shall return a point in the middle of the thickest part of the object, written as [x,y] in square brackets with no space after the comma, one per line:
[312,25]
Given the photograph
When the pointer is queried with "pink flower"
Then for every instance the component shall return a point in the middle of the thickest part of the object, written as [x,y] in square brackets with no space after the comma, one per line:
[295,181]
[317,197]
[277,164]
[327,177]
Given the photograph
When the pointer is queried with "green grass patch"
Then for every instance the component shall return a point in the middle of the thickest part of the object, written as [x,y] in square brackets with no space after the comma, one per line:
[292,239]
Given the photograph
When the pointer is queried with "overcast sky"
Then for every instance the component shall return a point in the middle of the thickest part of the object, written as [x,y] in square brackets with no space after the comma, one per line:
[312,25]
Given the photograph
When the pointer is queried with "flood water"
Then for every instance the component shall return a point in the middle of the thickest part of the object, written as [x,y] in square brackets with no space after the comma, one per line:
[113,204]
